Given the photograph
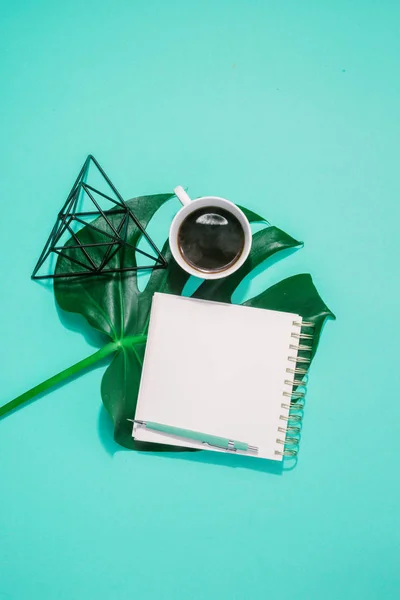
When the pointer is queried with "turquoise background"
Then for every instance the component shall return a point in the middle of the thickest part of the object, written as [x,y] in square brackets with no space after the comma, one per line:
[291,108]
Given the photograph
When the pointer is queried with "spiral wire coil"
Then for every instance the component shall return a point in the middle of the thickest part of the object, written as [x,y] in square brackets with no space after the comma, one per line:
[296,397]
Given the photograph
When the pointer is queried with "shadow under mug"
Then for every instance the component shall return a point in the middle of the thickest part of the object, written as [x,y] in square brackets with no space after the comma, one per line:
[190,206]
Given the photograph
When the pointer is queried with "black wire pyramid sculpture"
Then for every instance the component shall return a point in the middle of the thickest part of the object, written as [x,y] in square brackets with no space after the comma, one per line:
[105,247]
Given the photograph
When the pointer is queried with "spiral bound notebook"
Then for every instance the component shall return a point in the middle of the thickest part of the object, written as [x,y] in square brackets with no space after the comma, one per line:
[226,370]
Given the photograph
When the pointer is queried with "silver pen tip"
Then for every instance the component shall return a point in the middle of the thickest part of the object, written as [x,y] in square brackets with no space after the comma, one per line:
[252,448]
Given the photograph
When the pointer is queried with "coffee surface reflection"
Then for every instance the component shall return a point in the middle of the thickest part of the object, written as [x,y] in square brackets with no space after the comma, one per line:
[211,239]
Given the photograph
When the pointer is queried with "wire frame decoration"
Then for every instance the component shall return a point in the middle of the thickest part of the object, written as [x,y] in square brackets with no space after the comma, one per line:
[95,204]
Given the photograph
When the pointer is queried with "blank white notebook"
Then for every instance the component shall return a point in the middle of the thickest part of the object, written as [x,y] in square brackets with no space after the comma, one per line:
[219,369]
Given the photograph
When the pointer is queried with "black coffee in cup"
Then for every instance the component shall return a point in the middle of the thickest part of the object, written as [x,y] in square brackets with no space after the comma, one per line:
[211,239]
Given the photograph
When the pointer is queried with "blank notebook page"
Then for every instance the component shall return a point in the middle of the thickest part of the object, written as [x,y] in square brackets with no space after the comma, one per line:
[219,369]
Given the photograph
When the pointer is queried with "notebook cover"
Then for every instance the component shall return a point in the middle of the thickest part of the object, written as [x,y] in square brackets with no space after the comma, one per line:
[219,369]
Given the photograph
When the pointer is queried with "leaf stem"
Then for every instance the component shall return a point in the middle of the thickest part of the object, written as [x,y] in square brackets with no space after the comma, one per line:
[70,371]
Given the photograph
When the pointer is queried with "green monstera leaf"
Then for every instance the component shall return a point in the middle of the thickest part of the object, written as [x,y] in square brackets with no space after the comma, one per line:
[115,306]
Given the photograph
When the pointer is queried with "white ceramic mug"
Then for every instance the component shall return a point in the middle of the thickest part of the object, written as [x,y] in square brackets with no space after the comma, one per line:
[207,201]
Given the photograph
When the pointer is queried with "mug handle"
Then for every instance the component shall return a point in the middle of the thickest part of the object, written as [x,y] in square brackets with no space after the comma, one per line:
[182,195]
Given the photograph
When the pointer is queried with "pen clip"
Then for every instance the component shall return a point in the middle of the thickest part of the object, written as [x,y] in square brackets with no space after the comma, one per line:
[230,448]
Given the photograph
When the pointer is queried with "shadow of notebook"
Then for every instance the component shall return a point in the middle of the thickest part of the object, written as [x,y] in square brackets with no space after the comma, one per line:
[217,368]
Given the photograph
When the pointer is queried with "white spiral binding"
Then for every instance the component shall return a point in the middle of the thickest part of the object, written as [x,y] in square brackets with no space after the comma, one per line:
[295,407]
